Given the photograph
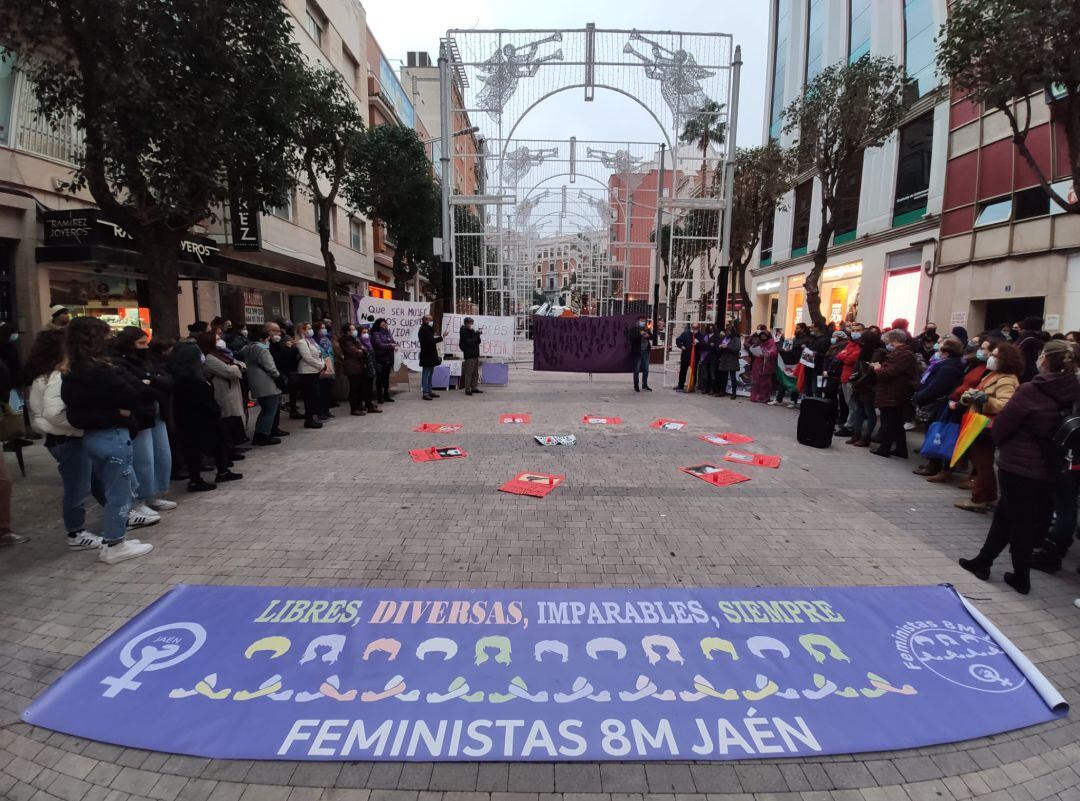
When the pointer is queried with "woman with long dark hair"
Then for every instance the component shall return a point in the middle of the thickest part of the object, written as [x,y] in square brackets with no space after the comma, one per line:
[101,399]
[152,455]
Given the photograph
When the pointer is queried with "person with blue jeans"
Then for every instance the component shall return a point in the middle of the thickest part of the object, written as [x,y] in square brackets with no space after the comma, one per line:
[429,356]
[101,399]
[264,384]
[640,341]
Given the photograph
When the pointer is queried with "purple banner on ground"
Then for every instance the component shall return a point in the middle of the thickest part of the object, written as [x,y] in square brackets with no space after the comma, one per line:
[583,344]
[508,675]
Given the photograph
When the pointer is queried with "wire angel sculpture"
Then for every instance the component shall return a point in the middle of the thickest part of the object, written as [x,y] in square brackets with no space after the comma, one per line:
[517,163]
[679,74]
[500,73]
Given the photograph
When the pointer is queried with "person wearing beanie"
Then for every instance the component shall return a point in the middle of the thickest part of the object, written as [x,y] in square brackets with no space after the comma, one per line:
[1031,344]
[59,317]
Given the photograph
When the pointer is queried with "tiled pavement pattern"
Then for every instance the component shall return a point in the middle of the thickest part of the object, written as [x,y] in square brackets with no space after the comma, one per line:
[345,507]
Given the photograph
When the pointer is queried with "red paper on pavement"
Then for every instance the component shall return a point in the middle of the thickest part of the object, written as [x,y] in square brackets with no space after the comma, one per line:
[668,425]
[437,454]
[535,484]
[726,438]
[439,428]
[755,459]
[717,476]
[515,418]
[600,420]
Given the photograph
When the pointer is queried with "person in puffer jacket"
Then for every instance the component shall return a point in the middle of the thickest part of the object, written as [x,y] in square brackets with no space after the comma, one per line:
[1023,431]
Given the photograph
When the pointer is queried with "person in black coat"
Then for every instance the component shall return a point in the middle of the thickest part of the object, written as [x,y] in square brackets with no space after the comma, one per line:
[932,397]
[685,343]
[469,342]
[429,355]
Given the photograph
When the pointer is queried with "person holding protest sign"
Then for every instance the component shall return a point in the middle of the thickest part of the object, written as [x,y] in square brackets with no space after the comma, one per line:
[429,355]
[469,341]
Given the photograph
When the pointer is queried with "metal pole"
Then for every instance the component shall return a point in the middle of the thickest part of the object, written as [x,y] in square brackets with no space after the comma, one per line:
[447,256]
[729,184]
[659,240]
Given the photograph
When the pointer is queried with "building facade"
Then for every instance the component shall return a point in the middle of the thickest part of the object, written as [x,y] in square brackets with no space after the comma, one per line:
[882,254]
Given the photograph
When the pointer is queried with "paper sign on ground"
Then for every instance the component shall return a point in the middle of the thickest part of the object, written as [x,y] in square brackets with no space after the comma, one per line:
[510,675]
[402,317]
[714,475]
[668,425]
[568,439]
[439,428]
[727,438]
[535,484]
[755,459]
[600,420]
[515,418]
[437,454]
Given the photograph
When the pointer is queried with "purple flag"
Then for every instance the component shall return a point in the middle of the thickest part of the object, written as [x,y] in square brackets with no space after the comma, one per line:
[583,344]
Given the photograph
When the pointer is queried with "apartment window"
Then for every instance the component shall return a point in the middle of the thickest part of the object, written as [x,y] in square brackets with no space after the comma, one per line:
[313,24]
[994,211]
[815,38]
[7,94]
[285,212]
[352,68]
[858,29]
[539,283]
[780,57]
[539,268]
[358,235]
[846,210]
[767,237]
[913,170]
[1033,202]
[800,235]
[919,51]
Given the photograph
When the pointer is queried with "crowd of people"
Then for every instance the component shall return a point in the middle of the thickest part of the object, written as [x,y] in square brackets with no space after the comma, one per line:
[887,383]
[123,416]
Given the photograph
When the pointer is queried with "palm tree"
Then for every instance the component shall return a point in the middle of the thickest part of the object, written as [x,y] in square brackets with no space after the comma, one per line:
[703,128]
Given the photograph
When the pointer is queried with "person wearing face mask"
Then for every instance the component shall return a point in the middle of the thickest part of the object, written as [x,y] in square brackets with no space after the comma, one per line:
[359,368]
[469,342]
[263,379]
[1030,343]
[225,373]
[429,355]
[329,372]
[383,346]
[309,365]
[892,392]
[685,343]
[236,338]
[151,454]
[763,356]
[990,396]
[847,357]
[640,343]
[927,339]
[284,355]
[1022,432]
[931,399]
[729,348]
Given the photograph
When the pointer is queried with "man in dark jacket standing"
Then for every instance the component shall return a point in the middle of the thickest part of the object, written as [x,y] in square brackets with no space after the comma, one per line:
[429,356]
[469,341]
[640,340]
[685,344]
[1031,344]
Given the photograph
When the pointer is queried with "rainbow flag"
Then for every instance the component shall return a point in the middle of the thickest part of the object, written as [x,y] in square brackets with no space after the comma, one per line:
[970,427]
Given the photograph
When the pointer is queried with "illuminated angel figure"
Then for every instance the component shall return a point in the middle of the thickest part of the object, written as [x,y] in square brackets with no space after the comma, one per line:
[599,205]
[501,73]
[620,160]
[679,74]
[517,163]
[525,209]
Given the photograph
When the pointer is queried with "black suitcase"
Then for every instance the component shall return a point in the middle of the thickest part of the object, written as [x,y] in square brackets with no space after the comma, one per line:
[817,419]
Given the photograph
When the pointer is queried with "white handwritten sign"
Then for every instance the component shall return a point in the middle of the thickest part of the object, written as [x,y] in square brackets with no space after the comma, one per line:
[403,318]
[496,339]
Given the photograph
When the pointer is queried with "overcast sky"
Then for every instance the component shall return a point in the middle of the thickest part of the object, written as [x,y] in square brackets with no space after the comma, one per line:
[418,25]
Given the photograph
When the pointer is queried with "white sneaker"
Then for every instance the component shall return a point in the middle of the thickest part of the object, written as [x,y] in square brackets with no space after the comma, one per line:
[128,549]
[909,426]
[161,504]
[141,516]
[83,541]
[773,403]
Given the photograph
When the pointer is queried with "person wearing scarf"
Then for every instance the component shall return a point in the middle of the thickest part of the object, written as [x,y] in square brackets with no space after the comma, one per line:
[763,355]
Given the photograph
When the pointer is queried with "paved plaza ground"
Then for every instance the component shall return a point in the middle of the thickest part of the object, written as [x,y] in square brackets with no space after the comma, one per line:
[344,507]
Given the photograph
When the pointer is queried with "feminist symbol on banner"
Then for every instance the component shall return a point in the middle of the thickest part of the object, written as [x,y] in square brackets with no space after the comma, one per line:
[727,438]
[166,650]
[437,454]
[536,485]
[755,459]
[668,425]
[717,476]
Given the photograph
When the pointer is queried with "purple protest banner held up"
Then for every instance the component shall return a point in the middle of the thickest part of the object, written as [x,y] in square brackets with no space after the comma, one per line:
[583,344]
[471,675]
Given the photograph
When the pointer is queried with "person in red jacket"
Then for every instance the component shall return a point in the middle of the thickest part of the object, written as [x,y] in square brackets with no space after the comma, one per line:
[848,356]
[1027,476]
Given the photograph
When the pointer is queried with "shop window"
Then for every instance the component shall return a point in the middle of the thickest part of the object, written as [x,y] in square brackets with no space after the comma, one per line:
[919,50]
[313,24]
[994,211]
[284,212]
[357,234]
[815,38]
[780,58]
[902,295]
[800,234]
[858,29]
[1033,202]
[913,170]
[846,209]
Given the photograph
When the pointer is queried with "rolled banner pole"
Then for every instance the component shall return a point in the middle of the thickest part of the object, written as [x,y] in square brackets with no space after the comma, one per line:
[1042,685]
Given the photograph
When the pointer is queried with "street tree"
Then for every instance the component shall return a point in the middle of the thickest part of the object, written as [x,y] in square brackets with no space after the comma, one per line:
[704,127]
[331,126]
[183,104]
[389,178]
[998,52]
[847,108]
[763,175]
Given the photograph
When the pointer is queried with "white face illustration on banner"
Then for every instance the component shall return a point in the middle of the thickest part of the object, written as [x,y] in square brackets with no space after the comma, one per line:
[174,643]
